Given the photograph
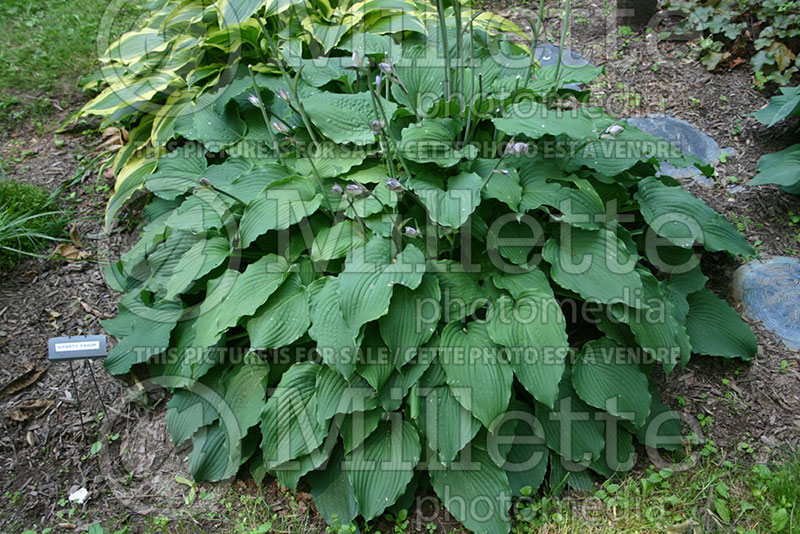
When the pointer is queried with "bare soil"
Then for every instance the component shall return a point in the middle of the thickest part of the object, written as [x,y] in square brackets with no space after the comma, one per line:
[45,454]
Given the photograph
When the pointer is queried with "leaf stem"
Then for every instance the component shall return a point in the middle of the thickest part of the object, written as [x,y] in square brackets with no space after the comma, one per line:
[263,108]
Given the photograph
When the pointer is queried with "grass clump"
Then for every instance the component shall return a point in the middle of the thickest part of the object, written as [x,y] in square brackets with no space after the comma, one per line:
[28,218]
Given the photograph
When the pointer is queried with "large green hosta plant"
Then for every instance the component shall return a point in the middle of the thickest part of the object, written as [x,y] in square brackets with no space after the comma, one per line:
[351,281]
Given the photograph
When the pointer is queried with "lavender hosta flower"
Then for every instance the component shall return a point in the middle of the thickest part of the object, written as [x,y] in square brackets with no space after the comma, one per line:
[356,190]
[378,82]
[356,60]
[410,231]
[377,126]
[280,127]
[253,99]
[283,95]
[386,67]
[517,149]
[394,185]
[615,129]
[337,189]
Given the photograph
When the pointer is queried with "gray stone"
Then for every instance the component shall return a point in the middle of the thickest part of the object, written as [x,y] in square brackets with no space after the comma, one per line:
[769,291]
[687,139]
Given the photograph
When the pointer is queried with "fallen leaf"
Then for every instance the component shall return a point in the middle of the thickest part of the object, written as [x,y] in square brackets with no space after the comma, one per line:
[30,374]
[29,409]
[74,235]
[70,252]
[687,527]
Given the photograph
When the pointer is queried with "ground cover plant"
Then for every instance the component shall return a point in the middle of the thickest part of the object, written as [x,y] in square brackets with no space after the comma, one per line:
[781,168]
[765,32]
[412,261]
[29,218]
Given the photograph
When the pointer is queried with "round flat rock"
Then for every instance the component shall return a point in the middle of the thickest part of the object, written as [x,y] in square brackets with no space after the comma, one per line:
[769,291]
[686,138]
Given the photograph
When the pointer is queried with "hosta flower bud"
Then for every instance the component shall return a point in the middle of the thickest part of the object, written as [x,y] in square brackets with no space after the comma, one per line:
[283,95]
[356,60]
[517,149]
[204,182]
[280,127]
[615,129]
[356,190]
[254,100]
[410,231]
[336,189]
[394,185]
[378,81]
[377,126]
[386,67]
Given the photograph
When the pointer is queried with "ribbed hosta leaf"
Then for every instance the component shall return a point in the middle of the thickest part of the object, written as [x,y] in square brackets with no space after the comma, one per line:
[534,120]
[213,456]
[382,467]
[476,493]
[336,342]
[283,318]
[346,118]
[716,329]
[334,497]
[369,276]
[446,424]
[449,203]
[595,264]
[673,213]
[177,172]
[282,204]
[412,319]
[335,241]
[571,429]
[198,261]
[533,330]
[289,423]
[433,141]
[336,396]
[603,379]
[526,461]
[478,376]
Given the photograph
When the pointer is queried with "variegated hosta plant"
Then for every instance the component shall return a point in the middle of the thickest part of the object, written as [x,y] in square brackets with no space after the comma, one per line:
[414,262]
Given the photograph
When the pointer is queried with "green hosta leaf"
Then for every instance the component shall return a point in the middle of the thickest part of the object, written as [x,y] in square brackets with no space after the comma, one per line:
[579,206]
[781,168]
[526,461]
[283,318]
[217,130]
[716,329]
[663,427]
[604,270]
[412,319]
[477,495]
[336,396]
[618,456]
[244,396]
[451,206]
[433,141]
[375,363]
[333,161]
[289,423]
[290,473]
[150,335]
[381,468]
[248,292]
[186,412]
[571,429]
[534,120]
[461,292]
[479,377]
[516,283]
[336,342]
[334,497]
[447,426]
[129,180]
[213,456]
[177,172]
[533,330]
[358,426]
[333,242]
[203,257]
[231,12]
[603,380]
[369,276]
[204,210]
[282,204]
[779,107]
[422,71]
[346,118]
[676,215]
[562,473]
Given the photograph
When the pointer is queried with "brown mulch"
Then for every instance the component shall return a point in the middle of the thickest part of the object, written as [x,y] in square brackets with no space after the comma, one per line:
[46,455]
